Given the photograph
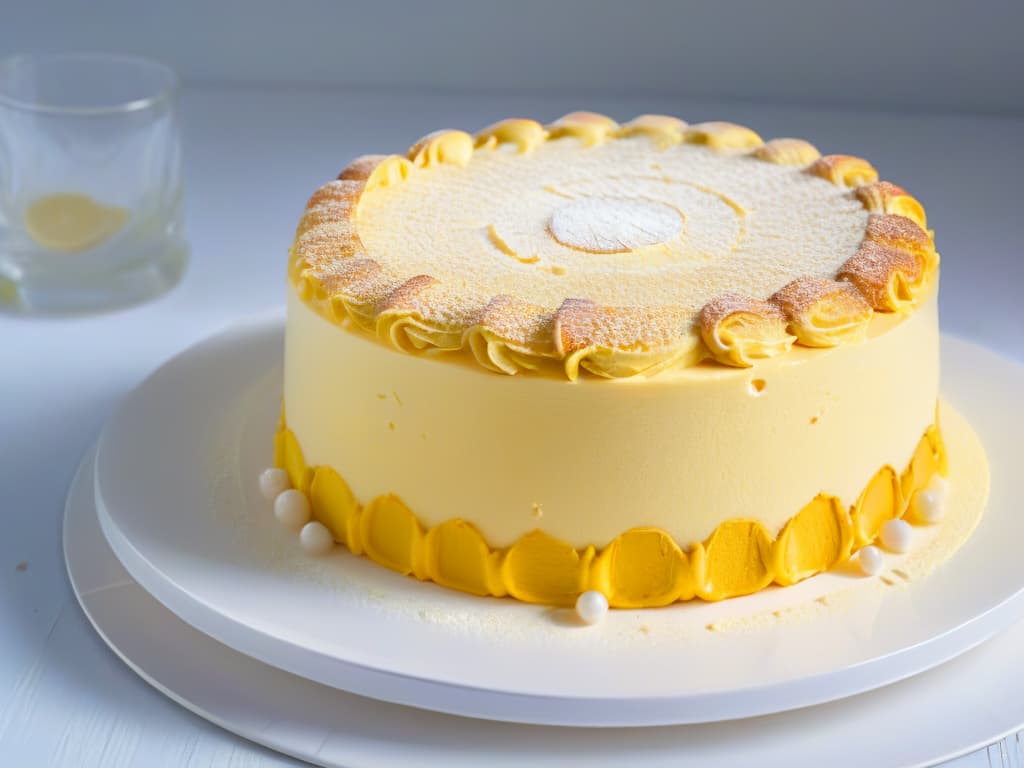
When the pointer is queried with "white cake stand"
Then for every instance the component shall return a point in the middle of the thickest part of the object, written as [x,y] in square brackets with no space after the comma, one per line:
[176,496]
[173,488]
[949,711]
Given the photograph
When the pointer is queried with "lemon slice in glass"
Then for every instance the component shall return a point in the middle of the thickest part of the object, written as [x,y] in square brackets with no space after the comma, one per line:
[72,222]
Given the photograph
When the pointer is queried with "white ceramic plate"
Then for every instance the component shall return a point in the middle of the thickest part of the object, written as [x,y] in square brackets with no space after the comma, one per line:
[953,710]
[176,496]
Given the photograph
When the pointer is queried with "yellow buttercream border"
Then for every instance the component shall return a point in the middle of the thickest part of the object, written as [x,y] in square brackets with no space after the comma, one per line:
[641,568]
[892,271]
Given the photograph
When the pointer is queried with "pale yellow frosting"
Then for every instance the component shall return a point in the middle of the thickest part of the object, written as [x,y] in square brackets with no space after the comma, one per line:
[641,567]
[586,460]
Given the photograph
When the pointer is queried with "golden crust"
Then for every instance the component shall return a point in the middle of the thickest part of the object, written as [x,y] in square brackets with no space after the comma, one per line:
[400,317]
[333,204]
[890,279]
[332,270]
[510,335]
[503,316]
[824,313]
[621,341]
[405,295]
[739,330]
[885,197]
[361,168]
[846,170]
[899,232]
[326,236]
[356,288]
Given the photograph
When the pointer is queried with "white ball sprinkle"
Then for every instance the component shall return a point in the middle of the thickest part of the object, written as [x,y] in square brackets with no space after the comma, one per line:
[291,508]
[869,559]
[592,607]
[896,535]
[939,484]
[316,539]
[928,506]
[273,481]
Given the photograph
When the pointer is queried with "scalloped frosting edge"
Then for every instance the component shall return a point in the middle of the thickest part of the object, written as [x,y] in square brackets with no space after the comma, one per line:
[641,568]
[894,267]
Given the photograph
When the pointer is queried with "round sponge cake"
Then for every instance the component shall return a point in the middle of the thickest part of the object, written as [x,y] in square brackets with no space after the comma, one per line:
[658,360]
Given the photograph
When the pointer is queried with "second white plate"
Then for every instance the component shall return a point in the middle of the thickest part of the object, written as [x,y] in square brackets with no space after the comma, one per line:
[945,712]
[176,496]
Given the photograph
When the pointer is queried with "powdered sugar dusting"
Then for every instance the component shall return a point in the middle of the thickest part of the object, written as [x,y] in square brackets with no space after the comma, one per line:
[614,225]
[750,227]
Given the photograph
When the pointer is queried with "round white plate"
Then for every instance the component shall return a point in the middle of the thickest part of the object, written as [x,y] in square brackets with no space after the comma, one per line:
[953,710]
[176,495]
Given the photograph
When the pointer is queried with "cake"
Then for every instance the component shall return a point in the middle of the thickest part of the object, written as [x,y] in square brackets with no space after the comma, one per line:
[654,360]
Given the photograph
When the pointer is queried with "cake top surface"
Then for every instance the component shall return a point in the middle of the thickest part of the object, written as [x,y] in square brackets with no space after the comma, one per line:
[615,249]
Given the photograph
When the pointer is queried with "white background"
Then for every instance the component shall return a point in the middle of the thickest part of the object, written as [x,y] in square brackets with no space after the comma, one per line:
[279,97]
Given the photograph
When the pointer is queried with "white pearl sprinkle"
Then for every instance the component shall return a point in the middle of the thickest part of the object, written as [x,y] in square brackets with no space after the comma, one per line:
[591,607]
[291,508]
[869,559]
[896,535]
[928,506]
[939,484]
[316,539]
[272,482]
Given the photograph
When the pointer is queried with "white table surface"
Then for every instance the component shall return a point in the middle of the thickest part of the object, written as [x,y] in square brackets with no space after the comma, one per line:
[252,159]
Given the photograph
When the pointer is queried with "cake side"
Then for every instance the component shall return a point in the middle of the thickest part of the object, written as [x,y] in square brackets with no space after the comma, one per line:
[423,463]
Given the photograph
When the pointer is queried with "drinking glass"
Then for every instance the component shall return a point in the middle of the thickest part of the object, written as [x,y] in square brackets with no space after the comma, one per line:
[90,182]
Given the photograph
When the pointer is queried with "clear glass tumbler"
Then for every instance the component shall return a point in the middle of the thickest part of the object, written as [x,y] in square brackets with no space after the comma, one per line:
[90,182]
